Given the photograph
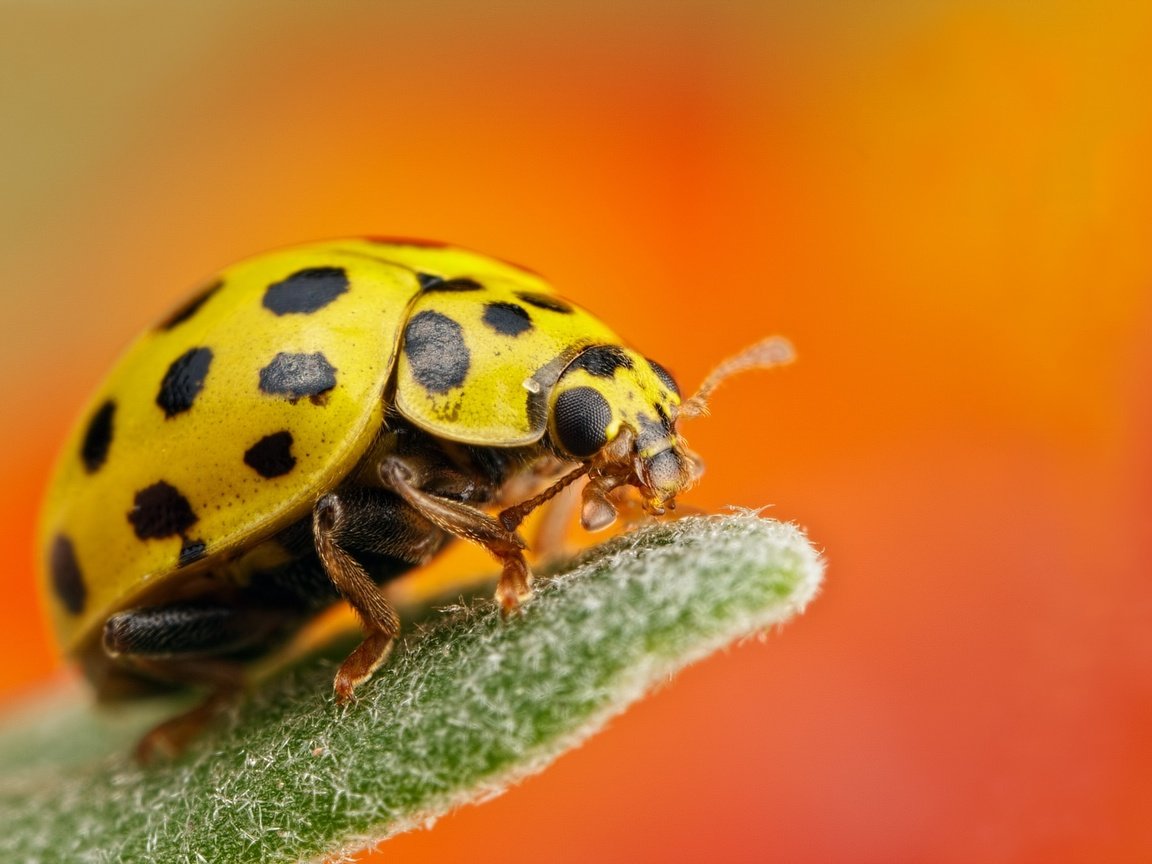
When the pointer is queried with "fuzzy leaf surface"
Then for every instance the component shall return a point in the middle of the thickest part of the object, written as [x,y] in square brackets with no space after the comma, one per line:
[468,704]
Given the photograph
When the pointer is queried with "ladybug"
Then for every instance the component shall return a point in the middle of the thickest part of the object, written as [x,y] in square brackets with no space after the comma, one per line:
[318,420]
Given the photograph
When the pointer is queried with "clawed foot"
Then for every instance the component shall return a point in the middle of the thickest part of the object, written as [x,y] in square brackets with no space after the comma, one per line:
[361,663]
[514,587]
[172,737]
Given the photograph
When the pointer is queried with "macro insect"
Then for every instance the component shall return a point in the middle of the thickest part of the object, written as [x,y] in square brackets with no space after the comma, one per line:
[320,419]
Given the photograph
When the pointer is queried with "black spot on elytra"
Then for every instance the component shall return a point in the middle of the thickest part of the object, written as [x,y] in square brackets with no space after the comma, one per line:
[191,550]
[271,456]
[545,301]
[297,375]
[190,307]
[434,284]
[665,377]
[306,291]
[98,437]
[507,319]
[183,381]
[581,421]
[161,511]
[67,580]
[603,361]
[434,346]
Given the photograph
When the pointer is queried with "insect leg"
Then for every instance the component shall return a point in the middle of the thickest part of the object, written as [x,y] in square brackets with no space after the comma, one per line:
[331,520]
[170,738]
[189,630]
[462,520]
[184,644]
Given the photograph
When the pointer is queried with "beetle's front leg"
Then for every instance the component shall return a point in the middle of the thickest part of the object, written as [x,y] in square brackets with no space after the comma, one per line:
[462,520]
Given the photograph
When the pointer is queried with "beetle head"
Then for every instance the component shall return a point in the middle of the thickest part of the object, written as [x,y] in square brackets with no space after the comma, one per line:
[618,412]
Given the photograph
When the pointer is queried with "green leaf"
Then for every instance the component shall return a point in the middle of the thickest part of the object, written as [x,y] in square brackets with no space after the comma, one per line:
[468,704]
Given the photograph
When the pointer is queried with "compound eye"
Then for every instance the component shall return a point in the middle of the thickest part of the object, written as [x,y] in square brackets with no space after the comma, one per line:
[581,417]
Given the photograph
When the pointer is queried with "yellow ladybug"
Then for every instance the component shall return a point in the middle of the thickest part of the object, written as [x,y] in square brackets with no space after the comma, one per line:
[318,420]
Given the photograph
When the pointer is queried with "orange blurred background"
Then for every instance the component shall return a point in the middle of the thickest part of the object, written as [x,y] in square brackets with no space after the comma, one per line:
[946,205]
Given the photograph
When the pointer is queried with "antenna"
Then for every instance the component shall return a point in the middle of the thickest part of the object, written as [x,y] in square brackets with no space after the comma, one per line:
[765,354]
